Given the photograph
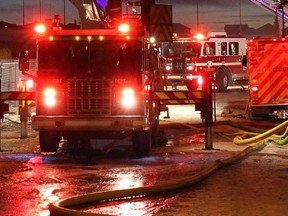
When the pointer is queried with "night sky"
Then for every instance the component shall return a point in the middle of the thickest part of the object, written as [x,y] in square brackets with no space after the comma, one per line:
[213,14]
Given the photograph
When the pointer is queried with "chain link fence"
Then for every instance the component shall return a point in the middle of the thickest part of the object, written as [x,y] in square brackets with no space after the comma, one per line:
[10,74]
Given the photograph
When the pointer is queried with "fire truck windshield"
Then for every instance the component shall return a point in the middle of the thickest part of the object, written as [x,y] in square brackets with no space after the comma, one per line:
[178,49]
[98,58]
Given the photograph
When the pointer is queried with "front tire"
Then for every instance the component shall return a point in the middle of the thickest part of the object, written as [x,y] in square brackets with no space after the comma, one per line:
[142,141]
[222,80]
[49,141]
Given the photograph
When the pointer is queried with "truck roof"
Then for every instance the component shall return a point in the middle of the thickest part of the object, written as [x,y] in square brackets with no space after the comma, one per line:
[87,32]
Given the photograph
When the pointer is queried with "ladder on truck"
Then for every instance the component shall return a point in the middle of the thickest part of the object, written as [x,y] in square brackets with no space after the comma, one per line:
[271,6]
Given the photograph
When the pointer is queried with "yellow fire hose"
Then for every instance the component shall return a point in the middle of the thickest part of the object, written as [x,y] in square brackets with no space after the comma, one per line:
[63,207]
[269,135]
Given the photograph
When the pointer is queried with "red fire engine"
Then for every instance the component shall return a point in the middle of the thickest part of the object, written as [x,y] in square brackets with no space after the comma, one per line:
[95,83]
[88,87]
[268,76]
[187,58]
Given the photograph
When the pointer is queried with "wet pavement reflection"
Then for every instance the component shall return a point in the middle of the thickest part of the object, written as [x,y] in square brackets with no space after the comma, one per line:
[40,179]
[136,207]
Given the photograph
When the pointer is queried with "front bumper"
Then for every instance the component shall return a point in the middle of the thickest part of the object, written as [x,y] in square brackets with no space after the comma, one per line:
[73,123]
[180,77]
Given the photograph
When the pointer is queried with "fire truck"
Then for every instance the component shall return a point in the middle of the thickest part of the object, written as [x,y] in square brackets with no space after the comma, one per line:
[268,76]
[95,83]
[216,54]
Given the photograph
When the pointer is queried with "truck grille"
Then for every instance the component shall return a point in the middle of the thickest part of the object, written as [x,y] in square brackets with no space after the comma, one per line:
[179,65]
[89,96]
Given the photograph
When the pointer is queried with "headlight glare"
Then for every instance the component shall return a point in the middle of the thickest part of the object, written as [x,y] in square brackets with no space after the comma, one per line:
[128,97]
[50,96]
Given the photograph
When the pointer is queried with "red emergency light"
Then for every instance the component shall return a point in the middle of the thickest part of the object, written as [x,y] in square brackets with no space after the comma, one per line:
[124,28]
[199,36]
[200,82]
[40,28]
[254,89]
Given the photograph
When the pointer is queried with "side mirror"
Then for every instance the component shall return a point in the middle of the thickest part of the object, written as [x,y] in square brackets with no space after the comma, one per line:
[24,61]
[244,61]
[154,57]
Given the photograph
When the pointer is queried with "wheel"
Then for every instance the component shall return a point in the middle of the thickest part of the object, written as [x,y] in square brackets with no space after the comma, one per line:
[72,145]
[49,141]
[222,80]
[142,141]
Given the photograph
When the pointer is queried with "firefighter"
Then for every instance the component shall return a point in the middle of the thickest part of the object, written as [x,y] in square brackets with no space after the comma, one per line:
[208,49]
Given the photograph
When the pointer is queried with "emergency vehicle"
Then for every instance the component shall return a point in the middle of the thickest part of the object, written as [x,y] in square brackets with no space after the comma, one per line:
[94,84]
[268,76]
[216,54]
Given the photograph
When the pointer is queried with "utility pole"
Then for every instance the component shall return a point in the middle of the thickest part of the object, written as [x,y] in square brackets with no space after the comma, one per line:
[280,7]
[40,8]
[64,12]
[197,13]
[23,13]
[240,15]
[276,23]
[283,23]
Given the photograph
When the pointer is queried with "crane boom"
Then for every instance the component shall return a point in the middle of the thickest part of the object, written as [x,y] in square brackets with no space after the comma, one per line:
[270,7]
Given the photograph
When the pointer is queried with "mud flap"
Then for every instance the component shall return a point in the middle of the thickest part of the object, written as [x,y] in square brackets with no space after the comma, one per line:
[142,141]
[49,141]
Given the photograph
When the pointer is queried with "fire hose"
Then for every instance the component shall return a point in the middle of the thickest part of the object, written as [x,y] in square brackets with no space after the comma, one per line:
[63,207]
[268,135]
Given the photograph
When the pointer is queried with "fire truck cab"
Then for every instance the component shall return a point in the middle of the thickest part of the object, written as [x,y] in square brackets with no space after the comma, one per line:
[216,54]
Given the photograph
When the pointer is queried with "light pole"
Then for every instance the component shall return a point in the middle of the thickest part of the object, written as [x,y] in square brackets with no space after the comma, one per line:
[40,10]
[64,12]
[23,13]
[240,15]
[283,22]
[197,12]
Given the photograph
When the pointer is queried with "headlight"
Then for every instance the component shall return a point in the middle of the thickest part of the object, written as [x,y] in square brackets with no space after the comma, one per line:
[168,67]
[50,96]
[190,67]
[128,97]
